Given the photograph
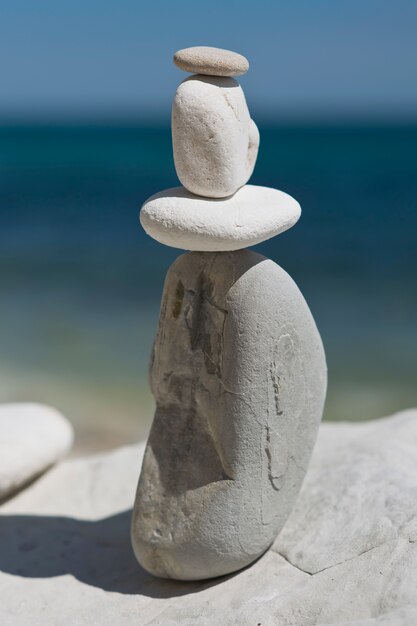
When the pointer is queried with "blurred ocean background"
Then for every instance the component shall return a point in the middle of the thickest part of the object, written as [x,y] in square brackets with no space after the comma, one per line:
[80,282]
[86,89]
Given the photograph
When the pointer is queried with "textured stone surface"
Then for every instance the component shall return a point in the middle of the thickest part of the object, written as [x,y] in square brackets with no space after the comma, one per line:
[177,218]
[215,142]
[65,555]
[211,61]
[390,505]
[32,437]
[239,379]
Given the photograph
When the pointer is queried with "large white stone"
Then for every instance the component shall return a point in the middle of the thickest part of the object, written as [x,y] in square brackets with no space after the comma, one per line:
[65,555]
[214,139]
[239,377]
[177,218]
[32,437]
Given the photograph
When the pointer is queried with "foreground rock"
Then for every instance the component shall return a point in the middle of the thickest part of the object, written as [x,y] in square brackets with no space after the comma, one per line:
[239,393]
[347,555]
[178,218]
[32,437]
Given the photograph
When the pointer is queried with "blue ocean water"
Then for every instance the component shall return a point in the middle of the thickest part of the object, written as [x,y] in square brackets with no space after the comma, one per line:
[80,282]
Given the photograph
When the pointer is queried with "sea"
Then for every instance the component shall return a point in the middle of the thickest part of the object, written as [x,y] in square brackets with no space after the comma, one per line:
[80,282]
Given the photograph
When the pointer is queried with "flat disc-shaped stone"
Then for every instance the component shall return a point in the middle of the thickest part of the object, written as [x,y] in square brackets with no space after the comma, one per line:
[211,61]
[178,218]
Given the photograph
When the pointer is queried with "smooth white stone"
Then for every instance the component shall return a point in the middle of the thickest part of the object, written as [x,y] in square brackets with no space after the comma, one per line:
[32,437]
[239,378]
[65,553]
[214,140]
[177,218]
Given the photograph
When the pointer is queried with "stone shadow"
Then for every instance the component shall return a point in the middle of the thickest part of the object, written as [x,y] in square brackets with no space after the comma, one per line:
[97,553]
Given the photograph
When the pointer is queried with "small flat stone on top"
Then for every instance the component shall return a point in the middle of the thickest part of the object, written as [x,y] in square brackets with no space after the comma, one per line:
[211,61]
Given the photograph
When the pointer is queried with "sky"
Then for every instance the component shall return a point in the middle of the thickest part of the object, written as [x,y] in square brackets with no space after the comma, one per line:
[64,58]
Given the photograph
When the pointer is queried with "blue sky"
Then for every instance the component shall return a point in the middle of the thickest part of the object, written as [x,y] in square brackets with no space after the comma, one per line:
[308,57]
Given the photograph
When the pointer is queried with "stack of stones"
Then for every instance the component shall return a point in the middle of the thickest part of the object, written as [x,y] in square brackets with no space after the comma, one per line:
[238,370]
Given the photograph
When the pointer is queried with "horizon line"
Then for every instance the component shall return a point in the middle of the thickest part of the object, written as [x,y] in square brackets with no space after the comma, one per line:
[120,119]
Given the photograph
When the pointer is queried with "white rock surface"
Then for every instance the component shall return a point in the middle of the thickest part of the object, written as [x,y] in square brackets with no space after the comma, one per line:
[177,218]
[65,556]
[239,378]
[211,61]
[253,147]
[214,140]
[32,437]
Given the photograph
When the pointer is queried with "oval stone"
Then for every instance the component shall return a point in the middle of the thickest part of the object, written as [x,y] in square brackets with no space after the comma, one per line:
[214,140]
[211,61]
[32,438]
[239,377]
[177,218]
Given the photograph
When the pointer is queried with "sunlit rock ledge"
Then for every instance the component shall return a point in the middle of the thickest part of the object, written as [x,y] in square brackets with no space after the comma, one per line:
[347,555]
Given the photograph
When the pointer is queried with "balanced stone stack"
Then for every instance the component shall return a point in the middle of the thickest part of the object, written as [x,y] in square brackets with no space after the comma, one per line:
[238,370]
